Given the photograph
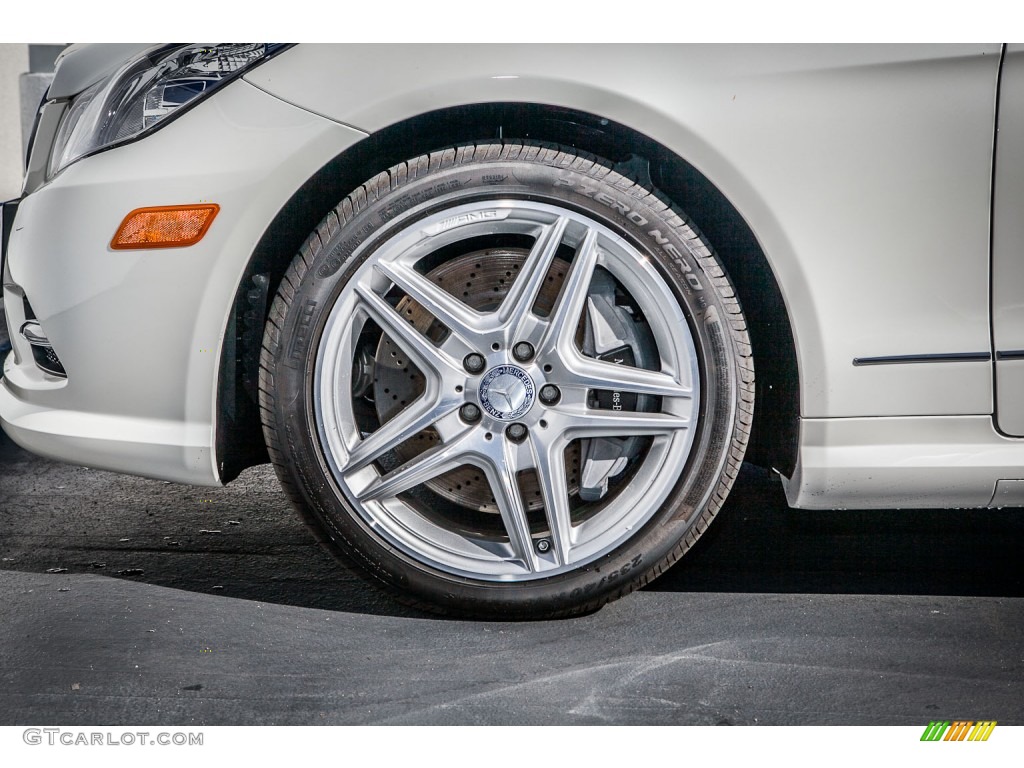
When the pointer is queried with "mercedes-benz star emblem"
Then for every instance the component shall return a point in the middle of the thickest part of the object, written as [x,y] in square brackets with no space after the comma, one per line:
[506,392]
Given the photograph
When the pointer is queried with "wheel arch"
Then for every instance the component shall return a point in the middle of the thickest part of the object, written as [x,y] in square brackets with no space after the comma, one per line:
[239,437]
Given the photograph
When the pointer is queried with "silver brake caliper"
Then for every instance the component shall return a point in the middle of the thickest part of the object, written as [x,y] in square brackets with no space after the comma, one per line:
[612,331]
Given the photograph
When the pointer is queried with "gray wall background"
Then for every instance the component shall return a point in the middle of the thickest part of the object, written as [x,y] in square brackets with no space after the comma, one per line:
[13,62]
[25,73]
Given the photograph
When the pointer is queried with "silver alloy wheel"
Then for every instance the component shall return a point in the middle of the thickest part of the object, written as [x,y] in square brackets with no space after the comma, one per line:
[506,393]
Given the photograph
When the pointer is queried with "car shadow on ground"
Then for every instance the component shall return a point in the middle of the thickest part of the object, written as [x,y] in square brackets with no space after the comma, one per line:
[244,541]
[758,544]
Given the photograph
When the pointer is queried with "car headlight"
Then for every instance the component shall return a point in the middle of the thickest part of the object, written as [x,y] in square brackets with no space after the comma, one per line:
[145,92]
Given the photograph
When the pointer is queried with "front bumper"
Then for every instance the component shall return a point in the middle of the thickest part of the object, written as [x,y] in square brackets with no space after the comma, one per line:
[140,332]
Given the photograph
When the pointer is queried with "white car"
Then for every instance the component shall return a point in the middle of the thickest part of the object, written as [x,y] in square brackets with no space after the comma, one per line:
[494,312]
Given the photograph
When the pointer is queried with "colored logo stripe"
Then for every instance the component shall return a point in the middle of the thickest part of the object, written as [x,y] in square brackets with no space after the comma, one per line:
[935,730]
[959,730]
[982,730]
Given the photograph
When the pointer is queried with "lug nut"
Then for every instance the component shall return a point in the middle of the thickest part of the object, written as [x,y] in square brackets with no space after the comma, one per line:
[516,432]
[469,413]
[549,394]
[474,363]
[523,351]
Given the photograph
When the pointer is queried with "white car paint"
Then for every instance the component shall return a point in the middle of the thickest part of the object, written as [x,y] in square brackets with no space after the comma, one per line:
[140,332]
[864,173]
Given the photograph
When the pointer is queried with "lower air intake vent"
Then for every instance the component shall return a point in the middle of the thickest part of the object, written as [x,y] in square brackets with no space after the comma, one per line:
[42,351]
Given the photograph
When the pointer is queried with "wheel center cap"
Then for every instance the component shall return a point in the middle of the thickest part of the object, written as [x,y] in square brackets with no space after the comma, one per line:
[506,392]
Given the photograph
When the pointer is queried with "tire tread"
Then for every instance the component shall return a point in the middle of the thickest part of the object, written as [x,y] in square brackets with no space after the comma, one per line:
[557,157]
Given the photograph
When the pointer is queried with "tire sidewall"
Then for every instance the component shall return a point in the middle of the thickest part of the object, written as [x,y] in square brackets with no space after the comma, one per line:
[394,202]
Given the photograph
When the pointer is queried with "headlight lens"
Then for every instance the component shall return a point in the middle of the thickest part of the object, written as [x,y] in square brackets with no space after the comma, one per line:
[145,92]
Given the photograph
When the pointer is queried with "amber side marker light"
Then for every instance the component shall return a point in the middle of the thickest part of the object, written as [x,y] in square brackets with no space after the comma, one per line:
[168,226]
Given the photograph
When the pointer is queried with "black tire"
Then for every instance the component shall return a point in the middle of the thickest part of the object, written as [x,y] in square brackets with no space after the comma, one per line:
[369,220]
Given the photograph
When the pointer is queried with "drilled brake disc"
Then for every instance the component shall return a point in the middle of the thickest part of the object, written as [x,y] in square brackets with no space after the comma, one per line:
[481,280]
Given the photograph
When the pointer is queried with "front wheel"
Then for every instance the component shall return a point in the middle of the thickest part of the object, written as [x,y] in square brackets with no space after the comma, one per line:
[505,381]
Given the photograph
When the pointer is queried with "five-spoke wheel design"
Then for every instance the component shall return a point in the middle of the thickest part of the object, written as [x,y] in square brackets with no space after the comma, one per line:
[506,390]
[502,380]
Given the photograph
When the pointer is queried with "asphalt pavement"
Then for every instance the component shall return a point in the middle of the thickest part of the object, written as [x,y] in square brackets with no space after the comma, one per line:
[132,601]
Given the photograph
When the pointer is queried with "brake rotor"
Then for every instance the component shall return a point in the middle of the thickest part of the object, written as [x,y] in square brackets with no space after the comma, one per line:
[481,280]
